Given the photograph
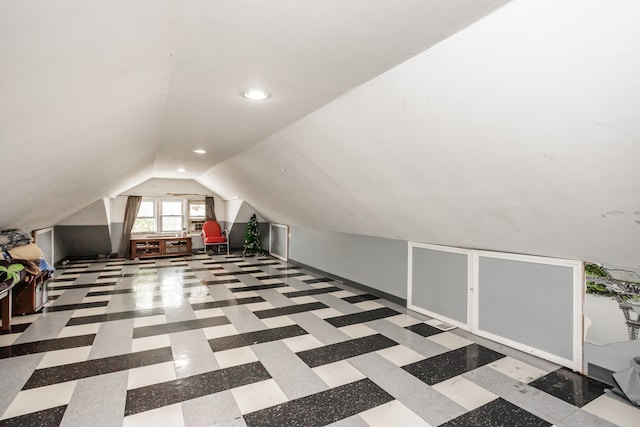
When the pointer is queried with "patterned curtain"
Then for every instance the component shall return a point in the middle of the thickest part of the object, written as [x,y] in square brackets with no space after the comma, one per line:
[130,214]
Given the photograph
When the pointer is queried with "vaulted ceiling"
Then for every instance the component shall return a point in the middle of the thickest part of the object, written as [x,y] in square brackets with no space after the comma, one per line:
[489,124]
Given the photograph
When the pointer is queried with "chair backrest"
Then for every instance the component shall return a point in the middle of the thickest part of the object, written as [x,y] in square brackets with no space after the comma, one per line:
[211,229]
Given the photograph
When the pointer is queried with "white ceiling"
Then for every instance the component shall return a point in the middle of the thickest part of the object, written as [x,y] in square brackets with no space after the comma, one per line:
[458,122]
[304,52]
[107,94]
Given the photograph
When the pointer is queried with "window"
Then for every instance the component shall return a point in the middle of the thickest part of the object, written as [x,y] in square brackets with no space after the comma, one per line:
[172,215]
[169,216]
[196,215]
[146,219]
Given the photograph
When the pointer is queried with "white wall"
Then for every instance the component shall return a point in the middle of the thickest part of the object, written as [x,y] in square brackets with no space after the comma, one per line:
[94,214]
[518,134]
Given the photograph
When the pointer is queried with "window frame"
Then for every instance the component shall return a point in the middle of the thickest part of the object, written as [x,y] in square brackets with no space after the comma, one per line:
[187,222]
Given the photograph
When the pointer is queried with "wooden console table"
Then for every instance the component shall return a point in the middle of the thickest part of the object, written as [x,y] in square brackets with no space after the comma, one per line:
[160,246]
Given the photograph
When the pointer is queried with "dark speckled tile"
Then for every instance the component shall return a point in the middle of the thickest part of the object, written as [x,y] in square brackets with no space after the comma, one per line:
[424,329]
[344,350]
[322,408]
[89,368]
[219,282]
[113,292]
[226,303]
[170,392]
[290,309]
[186,325]
[65,307]
[319,291]
[365,316]
[570,387]
[14,329]
[83,286]
[360,298]
[258,287]
[281,276]
[114,316]
[46,345]
[256,337]
[319,280]
[497,413]
[45,418]
[452,363]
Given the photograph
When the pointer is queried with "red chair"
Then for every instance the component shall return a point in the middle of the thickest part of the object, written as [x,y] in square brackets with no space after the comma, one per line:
[213,235]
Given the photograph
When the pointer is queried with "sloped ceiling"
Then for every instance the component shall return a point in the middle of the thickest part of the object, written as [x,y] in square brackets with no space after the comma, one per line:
[510,128]
[99,96]
[504,137]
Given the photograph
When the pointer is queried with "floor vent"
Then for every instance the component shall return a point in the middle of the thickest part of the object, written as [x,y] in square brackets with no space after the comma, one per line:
[440,325]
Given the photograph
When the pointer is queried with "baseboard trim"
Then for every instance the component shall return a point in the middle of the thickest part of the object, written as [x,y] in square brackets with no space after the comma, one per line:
[351,283]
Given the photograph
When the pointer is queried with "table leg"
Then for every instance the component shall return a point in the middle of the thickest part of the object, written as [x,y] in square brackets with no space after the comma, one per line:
[6,311]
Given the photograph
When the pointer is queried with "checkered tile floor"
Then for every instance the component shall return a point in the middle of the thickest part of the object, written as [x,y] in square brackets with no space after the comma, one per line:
[223,340]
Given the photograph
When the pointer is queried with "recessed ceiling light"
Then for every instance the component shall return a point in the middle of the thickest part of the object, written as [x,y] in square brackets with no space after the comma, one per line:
[256,94]
[199,151]
[181,170]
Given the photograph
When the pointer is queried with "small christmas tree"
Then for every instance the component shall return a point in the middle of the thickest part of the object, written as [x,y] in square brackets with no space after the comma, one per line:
[252,238]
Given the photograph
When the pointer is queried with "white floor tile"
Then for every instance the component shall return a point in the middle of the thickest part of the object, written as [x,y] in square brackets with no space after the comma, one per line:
[464,392]
[257,306]
[63,357]
[150,343]
[326,313]
[304,300]
[106,280]
[37,399]
[235,356]
[165,416]
[392,413]
[277,322]
[29,318]
[151,374]
[286,289]
[139,322]
[8,339]
[72,331]
[209,312]
[517,370]
[246,294]
[302,343]
[271,281]
[400,355]
[321,285]
[95,311]
[403,320]
[338,373]
[358,330]
[342,294]
[368,305]
[449,340]
[615,410]
[256,396]
[200,299]
[219,331]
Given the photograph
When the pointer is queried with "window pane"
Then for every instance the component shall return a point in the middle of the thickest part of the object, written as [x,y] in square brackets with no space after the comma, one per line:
[146,209]
[171,208]
[144,225]
[196,210]
[171,223]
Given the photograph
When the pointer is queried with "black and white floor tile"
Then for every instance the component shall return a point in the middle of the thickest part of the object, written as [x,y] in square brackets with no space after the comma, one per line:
[226,341]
